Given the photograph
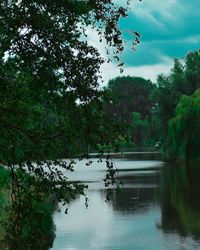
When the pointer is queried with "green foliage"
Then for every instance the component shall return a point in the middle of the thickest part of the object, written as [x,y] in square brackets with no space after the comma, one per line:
[129,94]
[50,100]
[132,106]
[184,128]
[140,128]
[184,79]
[26,223]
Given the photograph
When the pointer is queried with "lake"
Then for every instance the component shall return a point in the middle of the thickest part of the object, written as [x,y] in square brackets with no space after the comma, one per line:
[157,209]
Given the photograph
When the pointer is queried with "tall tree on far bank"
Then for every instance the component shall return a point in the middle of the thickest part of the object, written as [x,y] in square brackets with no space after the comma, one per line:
[131,105]
[184,79]
[184,128]
[129,94]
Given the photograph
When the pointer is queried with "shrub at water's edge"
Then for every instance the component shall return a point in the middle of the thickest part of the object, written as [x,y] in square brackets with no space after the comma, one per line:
[36,229]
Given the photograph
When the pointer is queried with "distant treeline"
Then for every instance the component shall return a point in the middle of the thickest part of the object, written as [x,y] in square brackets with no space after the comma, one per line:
[165,115]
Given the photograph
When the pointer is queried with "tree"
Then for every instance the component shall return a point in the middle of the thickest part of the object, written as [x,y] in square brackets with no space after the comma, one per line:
[50,101]
[33,223]
[182,80]
[129,94]
[184,128]
[140,129]
[132,105]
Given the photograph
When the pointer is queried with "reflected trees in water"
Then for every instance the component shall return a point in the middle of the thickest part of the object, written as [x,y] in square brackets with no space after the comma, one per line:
[180,203]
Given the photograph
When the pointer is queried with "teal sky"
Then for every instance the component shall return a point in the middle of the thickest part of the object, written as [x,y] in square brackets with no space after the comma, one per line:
[169,29]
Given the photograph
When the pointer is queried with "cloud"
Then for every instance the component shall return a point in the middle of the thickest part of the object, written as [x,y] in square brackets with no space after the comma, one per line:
[192,39]
[153,9]
[157,19]
[157,12]
[169,30]
[93,40]
[110,71]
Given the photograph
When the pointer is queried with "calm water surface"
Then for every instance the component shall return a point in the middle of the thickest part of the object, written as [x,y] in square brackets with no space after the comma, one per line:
[158,209]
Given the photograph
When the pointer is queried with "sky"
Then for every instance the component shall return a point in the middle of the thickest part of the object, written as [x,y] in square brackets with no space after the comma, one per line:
[169,29]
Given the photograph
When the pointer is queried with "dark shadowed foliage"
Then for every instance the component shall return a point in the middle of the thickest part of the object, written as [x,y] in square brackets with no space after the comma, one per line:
[50,101]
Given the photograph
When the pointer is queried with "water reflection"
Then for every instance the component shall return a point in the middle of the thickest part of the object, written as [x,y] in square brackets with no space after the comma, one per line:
[133,200]
[180,203]
[156,210]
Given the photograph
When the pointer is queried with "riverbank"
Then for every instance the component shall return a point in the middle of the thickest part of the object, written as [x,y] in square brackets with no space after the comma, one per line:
[34,228]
